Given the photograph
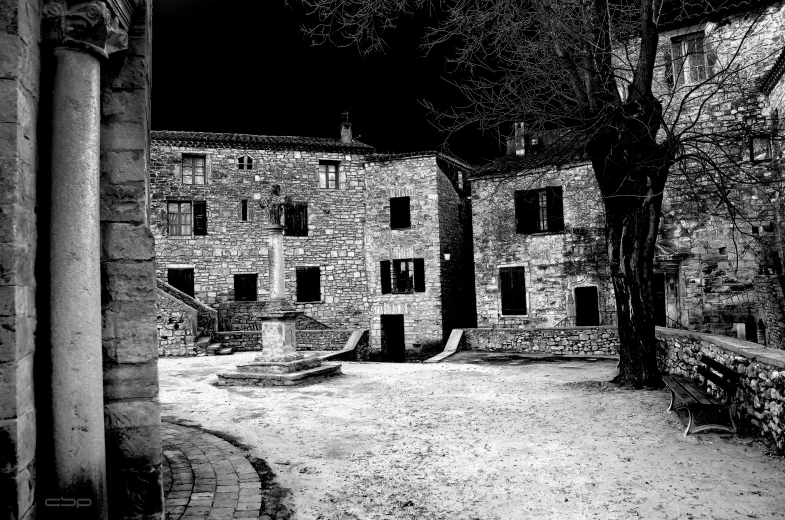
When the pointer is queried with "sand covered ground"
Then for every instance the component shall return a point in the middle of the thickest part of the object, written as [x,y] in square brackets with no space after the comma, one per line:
[471,439]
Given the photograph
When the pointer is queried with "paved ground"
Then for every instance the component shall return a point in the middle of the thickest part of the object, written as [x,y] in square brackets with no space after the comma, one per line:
[479,440]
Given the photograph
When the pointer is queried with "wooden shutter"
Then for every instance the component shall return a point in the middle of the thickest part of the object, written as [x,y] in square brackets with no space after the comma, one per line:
[200,218]
[419,275]
[555,203]
[526,211]
[302,211]
[385,277]
[506,289]
[678,63]
[512,285]
[668,59]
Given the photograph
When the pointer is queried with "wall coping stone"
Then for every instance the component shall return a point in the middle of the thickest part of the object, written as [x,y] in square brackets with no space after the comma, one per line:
[587,327]
[747,349]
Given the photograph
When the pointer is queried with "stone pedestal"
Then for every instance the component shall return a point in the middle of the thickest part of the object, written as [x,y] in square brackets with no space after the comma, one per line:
[279,363]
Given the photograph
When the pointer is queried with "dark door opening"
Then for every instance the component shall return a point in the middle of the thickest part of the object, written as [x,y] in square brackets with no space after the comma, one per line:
[245,287]
[587,312]
[658,295]
[393,347]
[182,279]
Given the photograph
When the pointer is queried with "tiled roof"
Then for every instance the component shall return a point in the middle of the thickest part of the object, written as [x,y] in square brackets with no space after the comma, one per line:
[391,156]
[250,141]
[770,79]
[681,13]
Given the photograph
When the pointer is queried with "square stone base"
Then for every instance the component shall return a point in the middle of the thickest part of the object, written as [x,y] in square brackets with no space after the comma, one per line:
[302,377]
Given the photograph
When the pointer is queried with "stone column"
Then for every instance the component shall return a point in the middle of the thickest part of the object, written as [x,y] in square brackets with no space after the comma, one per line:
[277,266]
[81,36]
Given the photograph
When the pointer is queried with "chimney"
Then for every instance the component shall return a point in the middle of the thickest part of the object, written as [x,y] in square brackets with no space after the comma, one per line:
[346,132]
[520,139]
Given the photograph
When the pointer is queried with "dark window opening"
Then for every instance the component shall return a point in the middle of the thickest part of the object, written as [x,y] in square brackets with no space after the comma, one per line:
[329,177]
[587,312]
[755,230]
[538,211]
[296,219]
[406,276]
[179,218]
[400,213]
[659,300]
[181,279]
[244,163]
[512,285]
[193,169]
[200,218]
[308,284]
[245,287]
[244,210]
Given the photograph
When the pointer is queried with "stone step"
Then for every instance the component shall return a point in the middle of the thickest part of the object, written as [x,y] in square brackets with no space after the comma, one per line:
[225,351]
[284,367]
[313,375]
[203,341]
[214,347]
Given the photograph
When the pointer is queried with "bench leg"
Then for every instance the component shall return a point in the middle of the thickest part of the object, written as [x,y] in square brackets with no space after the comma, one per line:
[689,423]
[673,399]
[732,412]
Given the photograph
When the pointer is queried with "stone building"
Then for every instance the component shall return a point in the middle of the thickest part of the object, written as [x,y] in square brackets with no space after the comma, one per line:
[540,254]
[79,411]
[207,192]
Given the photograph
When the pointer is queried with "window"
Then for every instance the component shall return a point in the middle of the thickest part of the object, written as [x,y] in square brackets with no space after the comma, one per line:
[308,284]
[296,219]
[512,285]
[193,169]
[760,148]
[181,279]
[329,175]
[399,213]
[691,59]
[245,287]
[244,162]
[244,210]
[179,218]
[200,218]
[539,211]
[406,276]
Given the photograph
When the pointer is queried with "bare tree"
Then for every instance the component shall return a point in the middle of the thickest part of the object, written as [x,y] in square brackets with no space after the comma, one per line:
[596,66]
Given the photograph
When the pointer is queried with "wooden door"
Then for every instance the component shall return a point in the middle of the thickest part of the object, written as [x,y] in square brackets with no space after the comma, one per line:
[393,346]
[587,312]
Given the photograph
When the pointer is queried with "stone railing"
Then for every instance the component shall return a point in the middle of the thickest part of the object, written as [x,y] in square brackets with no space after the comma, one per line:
[576,341]
[177,326]
[323,339]
[334,340]
[207,316]
[772,304]
[761,392]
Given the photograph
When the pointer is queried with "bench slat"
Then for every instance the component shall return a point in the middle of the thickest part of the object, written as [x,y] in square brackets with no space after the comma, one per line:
[724,384]
[678,389]
[696,392]
[721,369]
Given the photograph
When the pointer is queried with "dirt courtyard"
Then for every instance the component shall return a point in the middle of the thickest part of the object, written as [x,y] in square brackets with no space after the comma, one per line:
[479,441]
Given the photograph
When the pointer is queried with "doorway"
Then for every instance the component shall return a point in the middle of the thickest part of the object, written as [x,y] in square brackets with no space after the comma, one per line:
[658,297]
[587,312]
[393,347]
[182,279]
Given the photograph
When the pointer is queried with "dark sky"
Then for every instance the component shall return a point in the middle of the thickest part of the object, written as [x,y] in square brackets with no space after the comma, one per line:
[245,67]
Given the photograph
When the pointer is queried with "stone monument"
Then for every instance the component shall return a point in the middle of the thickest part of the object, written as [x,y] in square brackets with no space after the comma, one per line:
[279,362]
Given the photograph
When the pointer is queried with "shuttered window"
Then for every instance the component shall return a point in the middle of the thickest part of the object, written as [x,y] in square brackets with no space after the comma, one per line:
[400,213]
[539,211]
[308,284]
[406,276]
[296,219]
[200,218]
[193,169]
[245,287]
[512,286]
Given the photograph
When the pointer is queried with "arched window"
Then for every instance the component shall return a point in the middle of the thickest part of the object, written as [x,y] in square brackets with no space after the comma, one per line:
[244,162]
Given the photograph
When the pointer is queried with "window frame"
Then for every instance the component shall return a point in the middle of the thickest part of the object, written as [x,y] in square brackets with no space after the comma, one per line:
[390,276]
[315,294]
[536,209]
[247,276]
[244,213]
[245,162]
[681,59]
[180,224]
[397,219]
[323,178]
[512,270]
[190,171]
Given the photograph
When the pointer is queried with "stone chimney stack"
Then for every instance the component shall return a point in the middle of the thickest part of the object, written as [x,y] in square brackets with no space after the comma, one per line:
[516,145]
[346,132]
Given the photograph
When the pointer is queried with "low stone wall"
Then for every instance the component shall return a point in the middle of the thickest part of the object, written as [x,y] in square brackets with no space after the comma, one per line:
[771,303]
[207,316]
[177,326]
[323,339]
[576,341]
[761,393]
[241,341]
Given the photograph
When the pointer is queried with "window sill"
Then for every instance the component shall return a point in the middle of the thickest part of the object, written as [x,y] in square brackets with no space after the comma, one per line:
[313,302]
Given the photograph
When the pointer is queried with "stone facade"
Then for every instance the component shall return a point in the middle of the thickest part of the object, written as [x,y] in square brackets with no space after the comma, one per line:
[771,302]
[761,392]
[177,327]
[114,96]
[555,264]
[439,222]
[572,341]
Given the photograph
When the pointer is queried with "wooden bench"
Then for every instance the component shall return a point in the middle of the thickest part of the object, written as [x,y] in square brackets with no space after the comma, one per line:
[693,397]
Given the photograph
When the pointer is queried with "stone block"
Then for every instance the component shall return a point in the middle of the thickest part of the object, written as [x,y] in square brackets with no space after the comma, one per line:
[123,106]
[8,382]
[8,100]
[123,202]
[133,447]
[127,414]
[10,50]
[132,75]
[126,166]
[137,381]
[122,241]
[123,136]
[129,281]
[138,493]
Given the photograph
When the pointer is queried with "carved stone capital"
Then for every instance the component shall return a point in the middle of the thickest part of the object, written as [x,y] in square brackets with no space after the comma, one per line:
[88,26]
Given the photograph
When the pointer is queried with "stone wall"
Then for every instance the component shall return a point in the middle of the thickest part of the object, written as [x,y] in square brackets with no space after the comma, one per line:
[761,392]
[241,341]
[330,339]
[232,246]
[207,320]
[554,263]
[575,341]
[177,327]
[130,364]
[431,196]
[20,66]
[772,310]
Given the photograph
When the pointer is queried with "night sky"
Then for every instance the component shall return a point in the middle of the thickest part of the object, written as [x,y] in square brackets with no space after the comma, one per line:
[246,67]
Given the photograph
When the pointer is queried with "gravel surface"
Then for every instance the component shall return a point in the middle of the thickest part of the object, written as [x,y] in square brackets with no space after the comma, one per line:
[466,440]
